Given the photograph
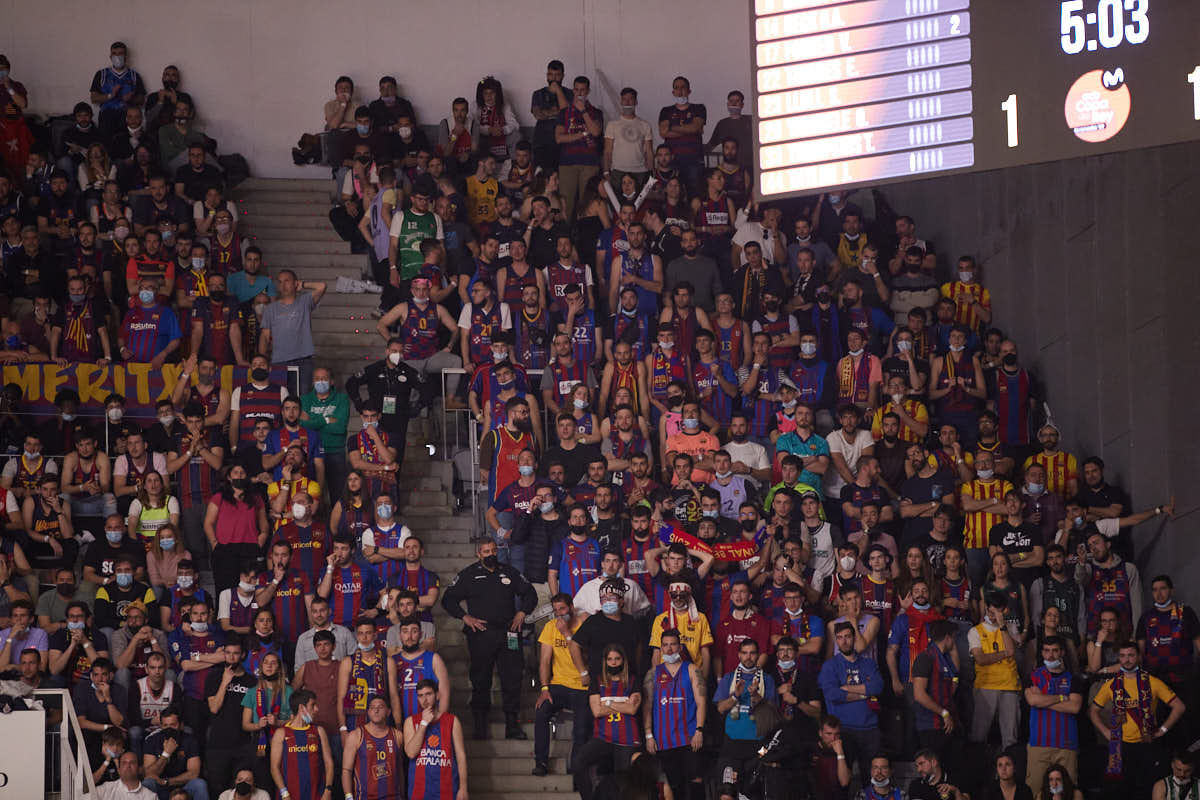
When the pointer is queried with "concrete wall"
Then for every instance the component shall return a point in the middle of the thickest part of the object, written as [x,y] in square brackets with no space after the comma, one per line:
[1092,268]
[260,71]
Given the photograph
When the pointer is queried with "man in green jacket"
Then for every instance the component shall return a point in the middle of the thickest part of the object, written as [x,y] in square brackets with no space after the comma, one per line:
[327,411]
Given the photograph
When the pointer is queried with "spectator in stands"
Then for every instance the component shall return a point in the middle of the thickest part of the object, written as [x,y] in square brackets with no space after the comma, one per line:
[681,125]
[287,325]
[742,688]
[51,605]
[139,653]
[196,178]
[258,399]
[1054,698]
[849,680]
[172,759]
[175,140]
[564,680]
[99,704]
[252,283]
[128,784]
[578,133]
[339,112]
[116,88]
[150,331]
[22,635]
[73,649]
[32,272]
[675,685]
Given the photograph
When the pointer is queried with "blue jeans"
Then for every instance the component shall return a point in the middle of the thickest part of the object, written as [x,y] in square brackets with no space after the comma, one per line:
[196,788]
[508,553]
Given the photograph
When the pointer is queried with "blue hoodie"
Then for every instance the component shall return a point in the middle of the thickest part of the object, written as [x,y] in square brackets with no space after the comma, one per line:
[852,709]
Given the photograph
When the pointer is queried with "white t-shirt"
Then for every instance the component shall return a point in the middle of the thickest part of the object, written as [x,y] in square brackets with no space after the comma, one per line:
[851,451]
[753,232]
[628,136]
[752,454]
[464,318]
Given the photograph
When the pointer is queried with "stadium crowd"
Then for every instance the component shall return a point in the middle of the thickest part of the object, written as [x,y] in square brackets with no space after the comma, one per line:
[786,496]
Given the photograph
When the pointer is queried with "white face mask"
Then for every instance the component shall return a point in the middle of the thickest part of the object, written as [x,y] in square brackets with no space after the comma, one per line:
[966,277]
[856,353]
[299,510]
[848,562]
[394,358]
[904,346]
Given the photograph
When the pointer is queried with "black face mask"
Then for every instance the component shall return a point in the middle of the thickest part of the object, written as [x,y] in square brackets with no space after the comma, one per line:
[66,589]
[170,85]
[579,530]
[217,295]
[363,159]
[614,670]
[259,374]
[749,525]
[1010,359]
[691,252]
[243,788]
[491,562]
[771,306]
[675,402]
[239,483]
[890,438]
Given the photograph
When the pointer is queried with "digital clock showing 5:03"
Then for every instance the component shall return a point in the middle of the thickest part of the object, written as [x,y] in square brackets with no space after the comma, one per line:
[866,92]
[1107,24]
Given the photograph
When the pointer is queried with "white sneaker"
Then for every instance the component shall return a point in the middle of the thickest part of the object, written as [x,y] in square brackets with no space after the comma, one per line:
[372,287]
[346,285]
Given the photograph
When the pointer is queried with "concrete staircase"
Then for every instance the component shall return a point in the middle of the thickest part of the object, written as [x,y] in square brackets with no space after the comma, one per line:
[288,220]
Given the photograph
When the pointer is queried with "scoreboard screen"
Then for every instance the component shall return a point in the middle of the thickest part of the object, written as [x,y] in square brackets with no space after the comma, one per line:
[850,92]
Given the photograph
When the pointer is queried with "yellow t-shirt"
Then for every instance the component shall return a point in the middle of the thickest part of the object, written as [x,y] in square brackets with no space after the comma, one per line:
[562,669]
[481,200]
[1000,675]
[978,523]
[1131,732]
[693,635]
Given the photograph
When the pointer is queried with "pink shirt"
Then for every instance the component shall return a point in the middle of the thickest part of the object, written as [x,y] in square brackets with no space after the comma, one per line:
[237,523]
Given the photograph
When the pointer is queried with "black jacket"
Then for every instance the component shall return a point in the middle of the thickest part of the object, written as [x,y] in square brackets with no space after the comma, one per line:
[539,536]
[494,597]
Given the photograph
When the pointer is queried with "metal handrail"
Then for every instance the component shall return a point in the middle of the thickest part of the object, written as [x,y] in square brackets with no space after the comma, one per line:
[80,785]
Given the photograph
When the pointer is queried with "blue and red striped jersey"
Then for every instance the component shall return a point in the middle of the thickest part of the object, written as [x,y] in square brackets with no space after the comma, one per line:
[576,563]
[291,612]
[616,727]
[410,672]
[674,707]
[377,767]
[354,587]
[301,763]
[1047,727]
[433,774]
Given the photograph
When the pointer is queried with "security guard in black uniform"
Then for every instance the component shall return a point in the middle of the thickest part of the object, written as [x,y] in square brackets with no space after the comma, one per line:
[498,599]
[389,386]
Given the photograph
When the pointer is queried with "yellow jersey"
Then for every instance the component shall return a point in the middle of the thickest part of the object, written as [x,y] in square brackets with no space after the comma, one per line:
[978,523]
[562,669]
[1131,731]
[694,636]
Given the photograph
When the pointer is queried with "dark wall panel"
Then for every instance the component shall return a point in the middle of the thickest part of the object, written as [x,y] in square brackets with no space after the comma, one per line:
[1094,268]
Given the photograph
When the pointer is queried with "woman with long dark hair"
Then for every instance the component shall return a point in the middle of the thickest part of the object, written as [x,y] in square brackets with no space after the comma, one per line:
[1057,785]
[615,699]
[235,524]
[354,511]
[642,781]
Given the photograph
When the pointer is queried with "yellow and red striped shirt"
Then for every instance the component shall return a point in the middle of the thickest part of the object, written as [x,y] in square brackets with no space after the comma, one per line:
[978,523]
[1061,467]
[914,408]
[965,295]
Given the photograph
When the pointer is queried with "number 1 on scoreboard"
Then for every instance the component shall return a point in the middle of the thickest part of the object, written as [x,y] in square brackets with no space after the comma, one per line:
[1194,80]
[1009,106]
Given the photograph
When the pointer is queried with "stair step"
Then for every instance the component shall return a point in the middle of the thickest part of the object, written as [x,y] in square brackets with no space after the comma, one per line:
[284,221]
[281,245]
[520,783]
[283,184]
[476,795]
[290,195]
[314,211]
[450,523]
[514,765]
[315,233]
[341,261]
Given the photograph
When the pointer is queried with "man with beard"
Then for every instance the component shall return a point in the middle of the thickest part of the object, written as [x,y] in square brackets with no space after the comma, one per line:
[849,682]
[633,602]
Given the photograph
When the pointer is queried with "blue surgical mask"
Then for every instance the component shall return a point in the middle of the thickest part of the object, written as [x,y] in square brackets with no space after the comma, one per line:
[546,507]
[146,296]
[166,544]
[808,348]
[985,474]
[505,386]
[525,470]
[368,646]
[610,606]
[384,511]
[710,514]
[786,665]
[1129,671]
[672,658]
[880,784]
[1035,488]
[1164,606]
[75,626]
[628,312]
[921,606]
[580,404]
[114,536]
[1053,666]
[322,387]
[307,717]
[199,627]
[124,580]
[691,424]
[363,130]
[498,356]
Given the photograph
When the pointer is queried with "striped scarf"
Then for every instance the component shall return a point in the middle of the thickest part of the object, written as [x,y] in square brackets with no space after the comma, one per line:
[1142,715]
